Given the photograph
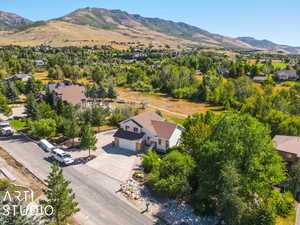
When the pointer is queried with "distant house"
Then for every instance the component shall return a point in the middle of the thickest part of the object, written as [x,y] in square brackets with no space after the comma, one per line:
[73,94]
[39,62]
[223,71]
[22,77]
[260,79]
[288,147]
[147,129]
[286,75]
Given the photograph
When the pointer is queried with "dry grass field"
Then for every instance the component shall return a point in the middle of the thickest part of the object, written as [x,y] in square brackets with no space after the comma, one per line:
[59,34]
[177,108]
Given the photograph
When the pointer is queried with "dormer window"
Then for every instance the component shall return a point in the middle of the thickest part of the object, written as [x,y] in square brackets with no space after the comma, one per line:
[126,127]
[135,129]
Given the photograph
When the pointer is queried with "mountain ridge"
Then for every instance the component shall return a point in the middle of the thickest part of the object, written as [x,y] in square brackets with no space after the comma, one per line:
[11,21]
[269,45]
[99,26]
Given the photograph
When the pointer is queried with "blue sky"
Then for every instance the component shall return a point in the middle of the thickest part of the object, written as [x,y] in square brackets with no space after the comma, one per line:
[275,20]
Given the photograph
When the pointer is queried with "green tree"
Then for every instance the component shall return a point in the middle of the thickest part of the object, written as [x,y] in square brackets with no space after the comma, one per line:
[4,107]
[171,178]
[60,196]
[71,129]
[88,139]
[44,128]
[44,111]
[31,106]
[294,178]
[111,93]
[150,160]
[242,141]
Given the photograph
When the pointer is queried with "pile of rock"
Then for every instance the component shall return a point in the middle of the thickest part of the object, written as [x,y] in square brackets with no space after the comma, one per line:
[176,213]
[131,189]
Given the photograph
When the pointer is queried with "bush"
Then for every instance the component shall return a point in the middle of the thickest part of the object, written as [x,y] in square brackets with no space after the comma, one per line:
[285,205]
[171,177]
[150,161]
[18,124]
[43,128]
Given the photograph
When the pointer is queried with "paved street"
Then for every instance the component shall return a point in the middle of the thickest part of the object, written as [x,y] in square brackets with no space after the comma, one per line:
[95,191]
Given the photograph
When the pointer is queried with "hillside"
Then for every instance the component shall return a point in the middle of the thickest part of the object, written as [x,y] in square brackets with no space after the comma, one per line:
[117,19]
[10,21]
[269,45]
[93,26]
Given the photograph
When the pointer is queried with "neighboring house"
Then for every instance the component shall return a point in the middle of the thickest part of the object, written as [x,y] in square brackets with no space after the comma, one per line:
[147,129]
[286,75]
[260,79]
[73,94]
[52,86]
[223,71]
[39,62]
[22,77]
[288,147]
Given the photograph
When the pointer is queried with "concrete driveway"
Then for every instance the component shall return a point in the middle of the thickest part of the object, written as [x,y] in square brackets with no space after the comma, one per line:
[94,191]
[116,163]
[17,111]
[111,161]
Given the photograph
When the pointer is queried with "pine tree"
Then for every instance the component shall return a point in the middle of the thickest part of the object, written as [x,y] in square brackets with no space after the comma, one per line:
[60,196]
[71,130]
[111,93]
[88,139]
[31,106]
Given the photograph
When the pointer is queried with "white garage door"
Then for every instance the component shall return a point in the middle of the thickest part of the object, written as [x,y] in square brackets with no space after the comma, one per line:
[130,145]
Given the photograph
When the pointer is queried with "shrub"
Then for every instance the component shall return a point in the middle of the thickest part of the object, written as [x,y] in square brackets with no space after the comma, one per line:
[43,128]
[171,178]
[150,161]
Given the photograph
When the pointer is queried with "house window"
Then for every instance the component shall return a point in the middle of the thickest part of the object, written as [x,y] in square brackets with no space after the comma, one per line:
[135,130]
[126,127]
[159,141]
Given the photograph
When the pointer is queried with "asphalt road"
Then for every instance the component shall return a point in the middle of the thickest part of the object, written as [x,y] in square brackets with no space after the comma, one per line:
[94,191]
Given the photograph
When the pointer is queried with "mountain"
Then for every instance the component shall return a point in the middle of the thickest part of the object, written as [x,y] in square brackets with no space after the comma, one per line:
[10,21]
[269,45]
[120,20]
[96,26]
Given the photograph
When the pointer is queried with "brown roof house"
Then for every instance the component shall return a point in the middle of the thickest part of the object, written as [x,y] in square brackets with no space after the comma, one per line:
[286,75]
[288,147]
[72,94]
[147,129]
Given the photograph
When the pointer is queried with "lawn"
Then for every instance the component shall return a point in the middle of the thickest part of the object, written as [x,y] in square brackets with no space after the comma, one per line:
[18,124]
[287,221]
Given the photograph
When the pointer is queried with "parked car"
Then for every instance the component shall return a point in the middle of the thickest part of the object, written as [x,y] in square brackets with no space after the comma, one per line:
[62,157]
[122,101]
[46,145]
[5,129]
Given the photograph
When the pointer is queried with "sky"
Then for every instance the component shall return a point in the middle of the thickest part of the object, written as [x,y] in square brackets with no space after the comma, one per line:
[275,20]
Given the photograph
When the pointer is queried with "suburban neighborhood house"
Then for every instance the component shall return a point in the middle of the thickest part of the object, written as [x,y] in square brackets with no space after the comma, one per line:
[288,147]
[286,75]
[147,129]
[21,77]
[72,94]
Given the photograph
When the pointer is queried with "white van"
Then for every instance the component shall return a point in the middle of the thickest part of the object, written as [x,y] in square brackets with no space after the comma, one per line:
[62,157]
[5,129]
[46,145]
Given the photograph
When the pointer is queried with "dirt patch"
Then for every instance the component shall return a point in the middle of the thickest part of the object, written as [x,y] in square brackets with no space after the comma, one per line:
[23,175]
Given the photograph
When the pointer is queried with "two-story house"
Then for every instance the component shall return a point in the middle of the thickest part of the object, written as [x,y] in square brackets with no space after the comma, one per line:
[147,129]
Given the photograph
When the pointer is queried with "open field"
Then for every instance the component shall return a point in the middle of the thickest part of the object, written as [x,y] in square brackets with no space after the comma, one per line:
[171,107]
